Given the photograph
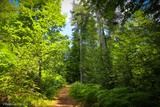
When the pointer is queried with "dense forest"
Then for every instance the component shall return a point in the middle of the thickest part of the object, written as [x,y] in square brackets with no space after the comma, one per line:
[111,60]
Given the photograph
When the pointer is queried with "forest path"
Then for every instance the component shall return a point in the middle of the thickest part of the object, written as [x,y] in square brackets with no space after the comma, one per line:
[63,99]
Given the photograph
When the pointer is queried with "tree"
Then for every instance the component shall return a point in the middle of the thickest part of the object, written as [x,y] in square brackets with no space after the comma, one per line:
[87,57]
[34,38]
[134,52]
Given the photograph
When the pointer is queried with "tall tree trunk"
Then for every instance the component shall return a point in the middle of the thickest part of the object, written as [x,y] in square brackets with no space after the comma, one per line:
[40,67]
[102,39]
[84,18]
[80,53]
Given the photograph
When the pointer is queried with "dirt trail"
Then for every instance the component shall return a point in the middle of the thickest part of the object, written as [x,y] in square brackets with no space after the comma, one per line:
[64,100]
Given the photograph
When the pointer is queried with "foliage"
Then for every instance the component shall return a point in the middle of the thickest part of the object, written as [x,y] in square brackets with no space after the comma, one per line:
[85,61]
[134,52]
[31,42]
[51,83]
[94,96]
[121,10]
[7,58]
[84,93]
[116,54]
[115,44]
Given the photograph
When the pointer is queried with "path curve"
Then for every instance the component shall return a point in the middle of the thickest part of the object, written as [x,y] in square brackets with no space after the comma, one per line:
[64,100]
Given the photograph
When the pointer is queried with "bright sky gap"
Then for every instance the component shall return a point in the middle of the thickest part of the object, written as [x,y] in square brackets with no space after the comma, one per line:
[66,9]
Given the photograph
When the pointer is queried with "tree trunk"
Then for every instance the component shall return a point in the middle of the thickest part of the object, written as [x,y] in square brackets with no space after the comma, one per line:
[80,53]
[39,69]
[102,39]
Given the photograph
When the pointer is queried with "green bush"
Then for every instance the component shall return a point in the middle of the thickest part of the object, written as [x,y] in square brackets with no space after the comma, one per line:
[140,99]
[95,96]
[17,90]
[113,98]
[7,59]
[85,93]
[91,97]
[77,91]
[50,83]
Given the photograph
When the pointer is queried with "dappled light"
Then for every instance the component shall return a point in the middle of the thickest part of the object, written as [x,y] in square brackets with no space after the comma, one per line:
[80,53]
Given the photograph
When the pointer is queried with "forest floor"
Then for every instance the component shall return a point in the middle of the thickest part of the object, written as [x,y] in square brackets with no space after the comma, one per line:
[64,100]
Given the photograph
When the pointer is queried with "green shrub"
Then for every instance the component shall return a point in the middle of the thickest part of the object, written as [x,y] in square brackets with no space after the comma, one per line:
[123,97]
[140,99]
[85,93]
[90,96]
[77,91]
[50,83]
[17,89]
[94,96]
[7,59]
[113,98]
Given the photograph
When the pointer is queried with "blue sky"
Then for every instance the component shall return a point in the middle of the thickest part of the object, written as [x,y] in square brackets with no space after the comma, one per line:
[66,8]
